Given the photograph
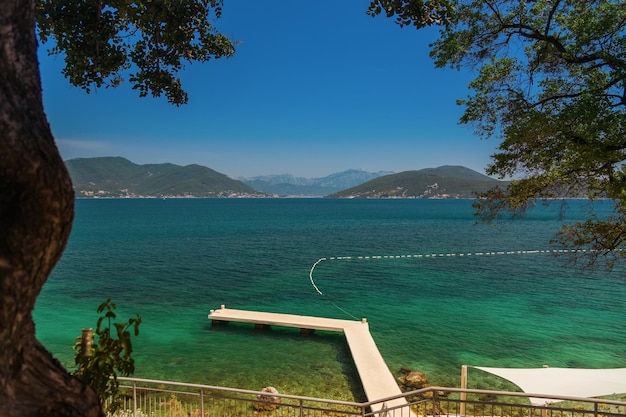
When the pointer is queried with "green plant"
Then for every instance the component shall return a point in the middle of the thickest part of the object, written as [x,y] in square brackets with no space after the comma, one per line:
[109,354]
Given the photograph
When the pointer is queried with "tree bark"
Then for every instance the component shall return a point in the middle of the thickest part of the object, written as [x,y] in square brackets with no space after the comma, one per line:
[36,213]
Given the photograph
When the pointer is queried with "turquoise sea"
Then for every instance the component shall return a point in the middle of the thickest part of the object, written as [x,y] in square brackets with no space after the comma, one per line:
[173,260]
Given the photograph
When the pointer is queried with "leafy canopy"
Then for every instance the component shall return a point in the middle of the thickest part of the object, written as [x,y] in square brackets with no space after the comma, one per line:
[551,86]
[151,40]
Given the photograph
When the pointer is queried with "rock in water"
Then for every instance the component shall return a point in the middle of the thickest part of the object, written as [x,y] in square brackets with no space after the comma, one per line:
[267,402]
[416,380]
[410,380]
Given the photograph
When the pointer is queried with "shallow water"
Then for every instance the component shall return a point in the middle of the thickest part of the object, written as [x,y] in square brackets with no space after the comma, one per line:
[173,260]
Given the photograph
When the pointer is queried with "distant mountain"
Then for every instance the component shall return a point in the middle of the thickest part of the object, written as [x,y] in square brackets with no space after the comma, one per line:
[119,177]
[288,185]
[442,182]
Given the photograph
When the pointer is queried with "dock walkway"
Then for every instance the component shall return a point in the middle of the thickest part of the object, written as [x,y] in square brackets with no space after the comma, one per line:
[378,382]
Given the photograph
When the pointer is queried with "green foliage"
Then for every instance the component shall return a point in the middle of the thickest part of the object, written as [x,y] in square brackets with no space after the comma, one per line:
[101,40]
[551,86]
[418,13]
[110,354]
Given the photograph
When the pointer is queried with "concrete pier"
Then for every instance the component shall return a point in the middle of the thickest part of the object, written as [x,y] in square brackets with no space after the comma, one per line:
[378,382]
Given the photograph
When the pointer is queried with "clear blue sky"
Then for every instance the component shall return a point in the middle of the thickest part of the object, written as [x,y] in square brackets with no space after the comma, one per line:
[314,88]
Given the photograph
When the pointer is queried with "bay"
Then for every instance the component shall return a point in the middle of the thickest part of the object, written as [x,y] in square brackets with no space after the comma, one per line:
[173,260]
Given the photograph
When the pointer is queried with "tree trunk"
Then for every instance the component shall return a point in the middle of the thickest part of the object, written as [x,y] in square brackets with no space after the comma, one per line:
[36,213]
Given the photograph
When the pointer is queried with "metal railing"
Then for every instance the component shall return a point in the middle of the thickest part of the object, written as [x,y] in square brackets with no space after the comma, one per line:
[154,398]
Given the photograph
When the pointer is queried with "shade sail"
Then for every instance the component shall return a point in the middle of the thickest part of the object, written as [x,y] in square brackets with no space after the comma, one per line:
[567,382]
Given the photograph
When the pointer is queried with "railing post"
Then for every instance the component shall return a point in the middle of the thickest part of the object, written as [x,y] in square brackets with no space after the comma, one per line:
[301,402]
[463,398]
[135,399]
[86,341]
[201,402]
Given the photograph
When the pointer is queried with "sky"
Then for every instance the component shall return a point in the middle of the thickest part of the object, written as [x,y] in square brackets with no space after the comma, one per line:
[314,88]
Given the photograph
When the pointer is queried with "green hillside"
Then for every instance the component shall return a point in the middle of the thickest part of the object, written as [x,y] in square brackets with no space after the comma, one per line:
[442,182]
[119,177]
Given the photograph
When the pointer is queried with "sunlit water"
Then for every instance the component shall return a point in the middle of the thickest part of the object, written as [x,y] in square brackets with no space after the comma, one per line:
[173,260]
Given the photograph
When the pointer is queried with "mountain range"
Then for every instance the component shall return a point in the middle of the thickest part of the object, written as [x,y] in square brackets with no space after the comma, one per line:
[119,177]
[288,185]
[443,182]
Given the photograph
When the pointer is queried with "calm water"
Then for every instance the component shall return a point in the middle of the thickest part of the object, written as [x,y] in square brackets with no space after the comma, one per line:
[173,260]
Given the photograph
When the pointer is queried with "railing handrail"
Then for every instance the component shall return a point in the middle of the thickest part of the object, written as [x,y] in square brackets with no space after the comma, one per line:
[382,400]
[521,394]
[241,391]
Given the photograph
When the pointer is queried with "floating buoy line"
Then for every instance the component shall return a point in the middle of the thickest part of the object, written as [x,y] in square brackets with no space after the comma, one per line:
[431,256]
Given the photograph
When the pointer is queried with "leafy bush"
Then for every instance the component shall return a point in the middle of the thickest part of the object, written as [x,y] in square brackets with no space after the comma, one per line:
[109,354]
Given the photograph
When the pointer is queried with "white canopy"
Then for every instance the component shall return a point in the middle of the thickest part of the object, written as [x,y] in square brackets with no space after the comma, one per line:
[565,382]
